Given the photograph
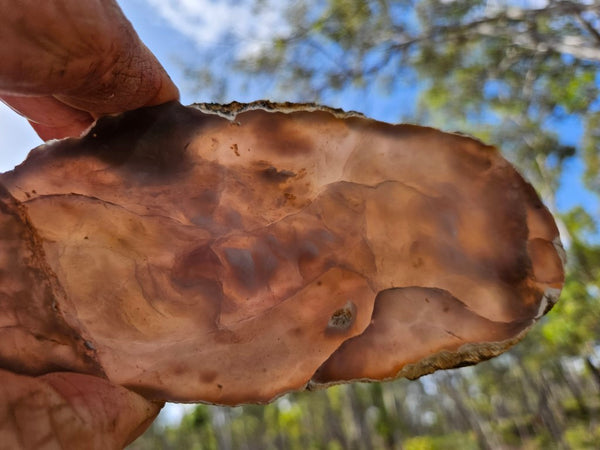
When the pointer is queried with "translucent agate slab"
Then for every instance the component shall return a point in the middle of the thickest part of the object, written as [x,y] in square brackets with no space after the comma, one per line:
[230,254]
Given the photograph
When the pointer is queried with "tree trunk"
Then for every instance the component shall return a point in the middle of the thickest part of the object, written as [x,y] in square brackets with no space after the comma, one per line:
[545,412]
[472,420]
[358,413]
[575,390]
[594,371]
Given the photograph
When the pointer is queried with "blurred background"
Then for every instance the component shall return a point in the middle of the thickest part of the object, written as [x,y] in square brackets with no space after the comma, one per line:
[521,74]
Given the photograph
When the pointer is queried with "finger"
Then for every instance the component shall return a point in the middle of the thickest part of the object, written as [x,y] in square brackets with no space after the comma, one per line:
[49,117]
[86,54]
[135,79]
[69,411]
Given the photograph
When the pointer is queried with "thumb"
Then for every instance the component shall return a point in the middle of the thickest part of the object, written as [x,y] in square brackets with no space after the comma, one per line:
[69,411]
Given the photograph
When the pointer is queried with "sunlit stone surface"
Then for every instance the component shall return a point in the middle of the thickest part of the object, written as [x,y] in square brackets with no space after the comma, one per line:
[232,254]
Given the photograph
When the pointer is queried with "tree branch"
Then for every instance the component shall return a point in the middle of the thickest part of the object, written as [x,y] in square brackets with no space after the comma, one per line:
[492,26]
[588,26]
[571,45]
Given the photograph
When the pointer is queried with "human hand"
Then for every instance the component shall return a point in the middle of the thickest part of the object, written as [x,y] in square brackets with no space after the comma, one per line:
[69,411]
[67,62]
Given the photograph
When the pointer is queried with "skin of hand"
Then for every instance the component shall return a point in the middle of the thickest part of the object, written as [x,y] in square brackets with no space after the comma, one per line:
[67,62]
[62,410]
[64,63]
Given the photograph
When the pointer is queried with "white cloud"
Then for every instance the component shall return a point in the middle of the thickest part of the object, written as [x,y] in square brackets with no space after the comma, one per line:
[207,22]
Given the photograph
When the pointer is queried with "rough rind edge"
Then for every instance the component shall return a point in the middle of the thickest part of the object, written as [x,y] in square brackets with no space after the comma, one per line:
[231,110]
[466,355]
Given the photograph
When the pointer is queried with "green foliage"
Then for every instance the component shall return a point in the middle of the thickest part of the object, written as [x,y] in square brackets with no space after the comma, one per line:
[453,441]
[583,437]
[591,152]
